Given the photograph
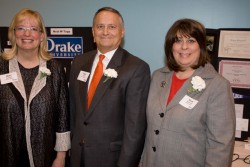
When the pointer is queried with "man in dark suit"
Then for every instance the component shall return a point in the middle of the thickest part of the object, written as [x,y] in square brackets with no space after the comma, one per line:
[108,129]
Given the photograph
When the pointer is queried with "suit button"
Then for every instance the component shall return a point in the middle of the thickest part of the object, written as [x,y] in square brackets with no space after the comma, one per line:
[85,123]
[157,132]
[154,149]
[161,115]
[81,142]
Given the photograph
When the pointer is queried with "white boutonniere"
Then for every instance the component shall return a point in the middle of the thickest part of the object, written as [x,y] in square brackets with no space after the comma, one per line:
[110,73]
[198,84]
[44,72]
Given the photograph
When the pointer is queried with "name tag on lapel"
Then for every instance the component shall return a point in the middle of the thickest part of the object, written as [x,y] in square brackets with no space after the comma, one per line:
[188,102]
[83,76]
[8,78]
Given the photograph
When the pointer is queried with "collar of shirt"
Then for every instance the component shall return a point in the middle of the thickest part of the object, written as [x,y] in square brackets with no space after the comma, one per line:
[108,57]
[106,60]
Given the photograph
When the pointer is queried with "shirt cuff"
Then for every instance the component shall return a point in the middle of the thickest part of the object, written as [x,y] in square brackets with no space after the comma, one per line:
[62,141]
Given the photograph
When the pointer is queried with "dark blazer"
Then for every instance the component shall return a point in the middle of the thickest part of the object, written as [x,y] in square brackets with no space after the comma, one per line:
[46,114]
[112,132]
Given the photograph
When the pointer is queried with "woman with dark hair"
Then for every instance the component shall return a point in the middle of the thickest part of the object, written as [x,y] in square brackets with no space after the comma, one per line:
[34,109]
[190,109]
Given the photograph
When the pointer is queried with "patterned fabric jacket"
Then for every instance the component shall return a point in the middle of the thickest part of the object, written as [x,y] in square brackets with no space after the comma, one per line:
[46,120]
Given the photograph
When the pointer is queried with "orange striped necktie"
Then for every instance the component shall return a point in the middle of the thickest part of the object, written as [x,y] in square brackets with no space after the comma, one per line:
[95,79]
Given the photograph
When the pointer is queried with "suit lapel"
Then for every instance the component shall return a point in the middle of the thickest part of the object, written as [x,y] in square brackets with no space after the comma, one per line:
[179,95]
[13,67]
[37,85]
[184,89]
[83,86]
[209,73]
[114,63]
[165,84]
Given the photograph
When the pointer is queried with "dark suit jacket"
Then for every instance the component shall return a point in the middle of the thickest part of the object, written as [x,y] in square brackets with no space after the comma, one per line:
[112,132]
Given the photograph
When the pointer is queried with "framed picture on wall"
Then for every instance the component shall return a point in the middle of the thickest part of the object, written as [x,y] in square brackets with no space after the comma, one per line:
[234,65]
[234,43]
[212,37]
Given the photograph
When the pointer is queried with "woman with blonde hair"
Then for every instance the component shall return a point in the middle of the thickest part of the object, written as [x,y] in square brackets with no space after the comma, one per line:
[34,119]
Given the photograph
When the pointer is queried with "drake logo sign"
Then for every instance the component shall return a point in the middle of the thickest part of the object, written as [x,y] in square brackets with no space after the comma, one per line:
[65,47]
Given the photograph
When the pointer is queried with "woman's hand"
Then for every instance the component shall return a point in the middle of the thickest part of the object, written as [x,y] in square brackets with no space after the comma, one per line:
[60,159]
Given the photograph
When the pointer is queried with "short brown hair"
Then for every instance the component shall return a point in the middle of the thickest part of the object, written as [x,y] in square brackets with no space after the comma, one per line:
[187,28]
[110,9]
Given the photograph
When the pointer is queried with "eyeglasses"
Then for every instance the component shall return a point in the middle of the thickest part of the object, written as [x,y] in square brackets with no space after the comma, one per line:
[246,159]
[33,30]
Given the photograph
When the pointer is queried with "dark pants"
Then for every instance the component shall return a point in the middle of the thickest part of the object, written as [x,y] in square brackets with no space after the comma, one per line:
[82,157]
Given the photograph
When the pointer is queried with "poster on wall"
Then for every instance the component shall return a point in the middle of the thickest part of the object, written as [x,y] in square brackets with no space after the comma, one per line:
[64,43]
[67,42]
[234,65]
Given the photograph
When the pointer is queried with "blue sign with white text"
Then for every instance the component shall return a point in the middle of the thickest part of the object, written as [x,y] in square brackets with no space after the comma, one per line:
[65,47]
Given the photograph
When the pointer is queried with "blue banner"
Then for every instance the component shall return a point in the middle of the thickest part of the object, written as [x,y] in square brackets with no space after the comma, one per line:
[65,47]
[239,96]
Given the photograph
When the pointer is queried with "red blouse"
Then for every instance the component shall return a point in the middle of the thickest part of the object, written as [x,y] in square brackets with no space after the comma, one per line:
[175,86]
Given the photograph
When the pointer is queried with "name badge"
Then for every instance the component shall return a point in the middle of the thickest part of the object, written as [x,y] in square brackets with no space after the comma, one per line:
[8,78]
[188,102]
[83,76]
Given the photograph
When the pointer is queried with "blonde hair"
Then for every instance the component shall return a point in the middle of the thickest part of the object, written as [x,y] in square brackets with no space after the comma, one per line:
[22,14]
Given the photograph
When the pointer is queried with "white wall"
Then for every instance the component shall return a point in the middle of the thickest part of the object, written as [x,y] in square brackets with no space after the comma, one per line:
[146,21]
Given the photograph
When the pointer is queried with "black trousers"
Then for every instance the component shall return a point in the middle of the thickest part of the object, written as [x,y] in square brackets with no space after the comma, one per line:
[82,157]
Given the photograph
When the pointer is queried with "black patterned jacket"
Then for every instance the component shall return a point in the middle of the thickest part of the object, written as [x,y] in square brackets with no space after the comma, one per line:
[44,117]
